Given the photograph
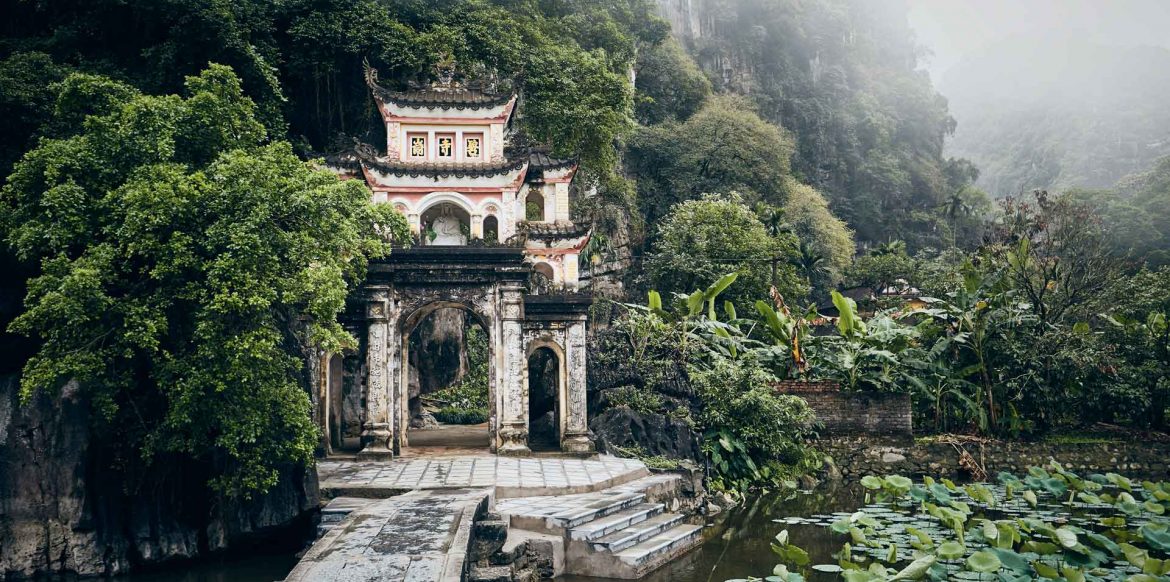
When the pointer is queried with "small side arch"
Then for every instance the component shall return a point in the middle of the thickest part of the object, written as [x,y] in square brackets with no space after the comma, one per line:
[538,352]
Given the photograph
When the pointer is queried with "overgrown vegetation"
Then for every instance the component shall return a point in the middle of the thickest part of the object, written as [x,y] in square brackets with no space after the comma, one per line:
[186,265]
[466,402]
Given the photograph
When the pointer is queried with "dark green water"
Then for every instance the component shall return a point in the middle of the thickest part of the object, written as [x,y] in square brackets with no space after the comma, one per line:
[738,542]
[254,568]
[737,546]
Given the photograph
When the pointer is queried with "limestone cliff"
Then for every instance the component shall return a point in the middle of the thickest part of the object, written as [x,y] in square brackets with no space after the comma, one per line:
[64,507]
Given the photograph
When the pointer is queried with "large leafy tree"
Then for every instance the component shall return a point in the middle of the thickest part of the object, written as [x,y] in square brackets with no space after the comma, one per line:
[725,146]
[186,265]
[702,240]
[827,243]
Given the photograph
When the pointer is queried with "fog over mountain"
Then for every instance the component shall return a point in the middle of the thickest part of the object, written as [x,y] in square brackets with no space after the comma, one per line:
[1051,94]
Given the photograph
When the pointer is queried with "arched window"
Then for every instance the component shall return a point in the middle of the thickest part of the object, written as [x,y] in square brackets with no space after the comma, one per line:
[534,207]
[545,270]
[491,229]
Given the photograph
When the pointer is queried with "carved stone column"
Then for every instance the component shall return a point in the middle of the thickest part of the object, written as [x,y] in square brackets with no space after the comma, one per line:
[513,381]
[476,226]
[576,436]
[377,430]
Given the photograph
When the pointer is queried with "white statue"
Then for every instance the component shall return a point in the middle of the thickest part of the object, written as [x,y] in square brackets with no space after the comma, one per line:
[448,230]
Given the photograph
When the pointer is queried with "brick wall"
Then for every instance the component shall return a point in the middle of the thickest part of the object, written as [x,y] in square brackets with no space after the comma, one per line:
[853,413]
[857,456]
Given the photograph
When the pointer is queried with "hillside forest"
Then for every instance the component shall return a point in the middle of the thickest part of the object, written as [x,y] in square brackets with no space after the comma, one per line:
[776,197]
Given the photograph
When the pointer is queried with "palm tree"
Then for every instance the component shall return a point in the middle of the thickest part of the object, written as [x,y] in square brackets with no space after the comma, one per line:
[893,247]
[810,263]
[773,219]
[956,206]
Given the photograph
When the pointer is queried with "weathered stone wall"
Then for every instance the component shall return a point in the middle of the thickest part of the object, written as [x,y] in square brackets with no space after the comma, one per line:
[848,413]
[63,507]
[855,457]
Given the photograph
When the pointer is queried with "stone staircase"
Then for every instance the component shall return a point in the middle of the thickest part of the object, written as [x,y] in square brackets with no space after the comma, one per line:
[624,531]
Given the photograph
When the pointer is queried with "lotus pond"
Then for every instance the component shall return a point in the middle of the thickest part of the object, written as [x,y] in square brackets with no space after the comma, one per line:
[1047,524]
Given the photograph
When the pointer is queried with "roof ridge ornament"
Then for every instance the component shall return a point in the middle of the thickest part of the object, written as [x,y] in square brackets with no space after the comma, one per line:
[371,75]
[445,72]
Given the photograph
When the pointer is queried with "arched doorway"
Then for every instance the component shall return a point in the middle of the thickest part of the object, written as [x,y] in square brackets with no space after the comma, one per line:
[448,398]
[545,389]
[343,405]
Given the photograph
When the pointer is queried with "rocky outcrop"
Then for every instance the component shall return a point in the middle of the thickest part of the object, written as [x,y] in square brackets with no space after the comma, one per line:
[654,434]
[64,506]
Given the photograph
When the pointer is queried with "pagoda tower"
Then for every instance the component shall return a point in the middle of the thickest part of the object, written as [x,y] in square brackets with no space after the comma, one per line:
[450,167]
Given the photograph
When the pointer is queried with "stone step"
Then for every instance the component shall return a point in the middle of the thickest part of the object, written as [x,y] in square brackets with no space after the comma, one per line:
[661,548]
[337,510]
[593,509]
[636,533]
[611,523]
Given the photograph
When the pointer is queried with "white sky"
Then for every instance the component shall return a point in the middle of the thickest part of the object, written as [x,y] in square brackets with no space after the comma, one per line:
[954,28]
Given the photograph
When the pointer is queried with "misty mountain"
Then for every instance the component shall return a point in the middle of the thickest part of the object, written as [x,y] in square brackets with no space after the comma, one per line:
[1042,113]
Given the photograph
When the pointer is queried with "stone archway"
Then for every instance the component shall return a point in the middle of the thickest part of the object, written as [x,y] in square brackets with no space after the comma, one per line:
[490,284]
[400,292]
[410,323]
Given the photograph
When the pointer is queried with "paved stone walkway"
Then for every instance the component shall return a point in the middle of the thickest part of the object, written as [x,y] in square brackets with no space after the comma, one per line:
[511,476]
[421,536]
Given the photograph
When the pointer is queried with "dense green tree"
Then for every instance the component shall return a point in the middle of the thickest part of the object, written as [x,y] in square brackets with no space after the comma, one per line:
[1135,214]
[187,266]
[702,240]
[822,235]
[723,147]
[671,87]
[1056,254]
[882,269]
[25,105]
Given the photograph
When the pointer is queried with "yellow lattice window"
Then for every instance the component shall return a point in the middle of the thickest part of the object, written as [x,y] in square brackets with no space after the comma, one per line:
[446,146]
[471,148]
[418,146]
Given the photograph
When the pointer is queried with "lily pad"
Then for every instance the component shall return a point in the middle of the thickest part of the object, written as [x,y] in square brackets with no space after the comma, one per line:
[983,561]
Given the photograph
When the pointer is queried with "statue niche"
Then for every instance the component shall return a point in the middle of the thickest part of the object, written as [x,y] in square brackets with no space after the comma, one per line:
[446,225]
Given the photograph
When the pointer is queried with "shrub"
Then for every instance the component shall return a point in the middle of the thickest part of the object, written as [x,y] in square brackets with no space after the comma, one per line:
[454,415]
[753,434]
[639,400]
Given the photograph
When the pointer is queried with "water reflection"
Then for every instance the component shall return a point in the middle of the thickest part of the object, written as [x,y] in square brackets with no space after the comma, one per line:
[738,542]
[256,568]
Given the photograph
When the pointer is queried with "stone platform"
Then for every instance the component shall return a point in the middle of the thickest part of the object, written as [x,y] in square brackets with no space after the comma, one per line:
[414,518]
[507,476]
[421,536]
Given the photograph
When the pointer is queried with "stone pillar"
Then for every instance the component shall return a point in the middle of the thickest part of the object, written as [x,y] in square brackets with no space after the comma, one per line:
[550,203]
[495,139]
[393,149]
[572,276]
[476,226]
[512,381]
[561,194]
[377,430]
[415,221]
[576,436]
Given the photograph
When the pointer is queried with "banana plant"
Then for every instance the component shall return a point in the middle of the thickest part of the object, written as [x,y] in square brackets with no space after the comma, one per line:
[696,328]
